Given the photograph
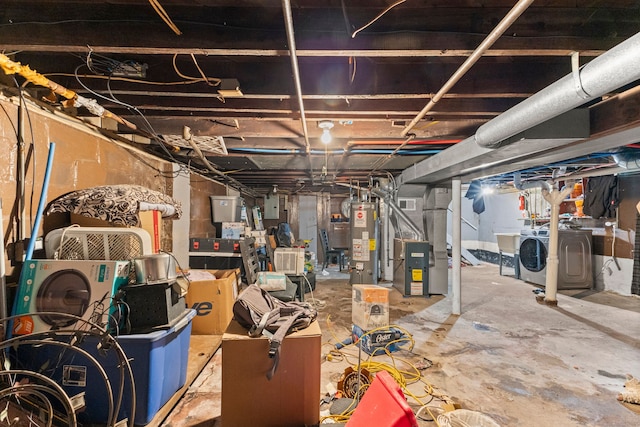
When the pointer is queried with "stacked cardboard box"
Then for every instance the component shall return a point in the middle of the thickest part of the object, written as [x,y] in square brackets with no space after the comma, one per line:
[370,306]
[291,398]
[213,301]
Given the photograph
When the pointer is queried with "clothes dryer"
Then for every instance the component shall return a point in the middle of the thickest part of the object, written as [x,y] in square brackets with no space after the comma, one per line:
[575,268]
[574,257]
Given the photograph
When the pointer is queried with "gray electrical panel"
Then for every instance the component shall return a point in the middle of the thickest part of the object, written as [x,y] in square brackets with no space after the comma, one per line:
[271,207]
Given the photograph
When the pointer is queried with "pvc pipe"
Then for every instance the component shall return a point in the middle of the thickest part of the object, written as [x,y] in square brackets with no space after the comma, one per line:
[456,245]
[555,198]
[43,199]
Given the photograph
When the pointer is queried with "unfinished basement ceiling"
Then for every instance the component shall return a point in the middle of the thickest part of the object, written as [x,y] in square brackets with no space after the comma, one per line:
[222,74]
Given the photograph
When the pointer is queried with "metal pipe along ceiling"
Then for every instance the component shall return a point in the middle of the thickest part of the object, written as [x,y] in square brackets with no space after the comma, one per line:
[502,26]
[613,69]
[288,19]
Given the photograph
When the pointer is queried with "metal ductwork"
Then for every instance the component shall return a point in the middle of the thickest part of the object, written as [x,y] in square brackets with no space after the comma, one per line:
[418,234]
[628,161]
[518,184]
[608,72]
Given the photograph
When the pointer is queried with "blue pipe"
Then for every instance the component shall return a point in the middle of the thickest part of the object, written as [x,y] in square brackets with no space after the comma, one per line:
[400,152]
[577,159]
[332,152]
[43,199]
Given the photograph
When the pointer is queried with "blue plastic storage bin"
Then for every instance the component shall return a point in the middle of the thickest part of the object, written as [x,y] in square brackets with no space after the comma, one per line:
[158,361]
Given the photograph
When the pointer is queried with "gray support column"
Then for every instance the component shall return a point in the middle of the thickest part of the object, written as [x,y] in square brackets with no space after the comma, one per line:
[456,255]
[180,227]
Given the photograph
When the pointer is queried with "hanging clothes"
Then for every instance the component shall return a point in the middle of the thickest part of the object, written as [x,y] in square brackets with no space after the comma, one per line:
[475,193]
[601,197]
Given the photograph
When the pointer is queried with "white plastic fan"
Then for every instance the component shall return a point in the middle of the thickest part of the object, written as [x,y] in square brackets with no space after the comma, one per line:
[97,243]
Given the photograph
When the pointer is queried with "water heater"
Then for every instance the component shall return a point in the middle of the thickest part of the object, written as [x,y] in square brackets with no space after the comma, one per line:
[363,265]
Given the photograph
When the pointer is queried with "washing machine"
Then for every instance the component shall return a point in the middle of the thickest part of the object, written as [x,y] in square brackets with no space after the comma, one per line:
[79,287]
[574,257]
[534,248]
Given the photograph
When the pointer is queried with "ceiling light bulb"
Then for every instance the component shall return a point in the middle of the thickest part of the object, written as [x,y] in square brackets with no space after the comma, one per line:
[326,127]
[326,136]
[275,188]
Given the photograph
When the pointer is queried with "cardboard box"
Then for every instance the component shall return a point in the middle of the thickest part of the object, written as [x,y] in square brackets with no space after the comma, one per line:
[213,301]
[291,398]
[370,306]
[232,230]
[260,236]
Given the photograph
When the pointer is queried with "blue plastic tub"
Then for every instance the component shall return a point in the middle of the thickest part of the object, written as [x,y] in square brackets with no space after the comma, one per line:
[158,361]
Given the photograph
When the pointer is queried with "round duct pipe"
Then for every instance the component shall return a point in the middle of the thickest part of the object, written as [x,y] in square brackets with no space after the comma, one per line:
[611,70]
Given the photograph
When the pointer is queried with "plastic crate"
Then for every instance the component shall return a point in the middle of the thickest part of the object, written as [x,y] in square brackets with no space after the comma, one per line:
[158,362]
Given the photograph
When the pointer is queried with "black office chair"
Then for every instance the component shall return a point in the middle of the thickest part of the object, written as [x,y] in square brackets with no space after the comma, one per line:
[330,252]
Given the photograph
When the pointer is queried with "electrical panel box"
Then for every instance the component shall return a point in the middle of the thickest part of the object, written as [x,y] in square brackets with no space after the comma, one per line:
[271,207]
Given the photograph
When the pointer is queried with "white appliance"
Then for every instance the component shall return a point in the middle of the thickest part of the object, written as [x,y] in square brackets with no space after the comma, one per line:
[82,288]
[97,243]
[534,248]
[574,257]
[289,260]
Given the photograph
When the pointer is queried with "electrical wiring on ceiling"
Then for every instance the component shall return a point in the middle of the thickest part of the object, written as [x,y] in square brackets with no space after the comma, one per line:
[165,16]
[126,79]
[151,132]
[20,138]
[211,81]
[102,65]
[380,15]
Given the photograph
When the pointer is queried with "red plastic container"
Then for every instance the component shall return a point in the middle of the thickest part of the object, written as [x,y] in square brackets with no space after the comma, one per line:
[383,405]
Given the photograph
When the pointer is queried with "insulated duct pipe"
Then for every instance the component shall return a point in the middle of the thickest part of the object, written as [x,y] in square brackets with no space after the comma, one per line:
[613,69]
[517,182]
[502,26]
[396,209]
[288,19]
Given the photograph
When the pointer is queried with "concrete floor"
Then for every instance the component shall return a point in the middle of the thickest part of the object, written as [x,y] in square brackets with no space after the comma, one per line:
[520,362]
